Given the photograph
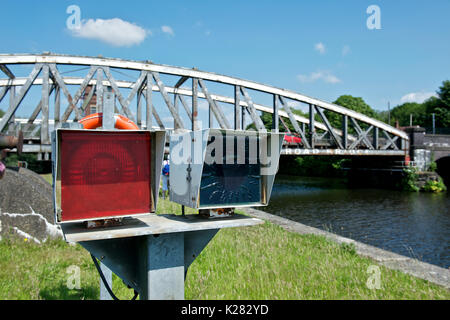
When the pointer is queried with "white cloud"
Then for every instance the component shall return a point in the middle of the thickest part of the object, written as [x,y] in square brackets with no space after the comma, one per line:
[325,76]
[418,97]
[320,47]
[116,32]
[168,30]
[346,50]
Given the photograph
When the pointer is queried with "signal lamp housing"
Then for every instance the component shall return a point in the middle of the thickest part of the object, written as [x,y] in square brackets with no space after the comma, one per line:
[216,168]
[102,174]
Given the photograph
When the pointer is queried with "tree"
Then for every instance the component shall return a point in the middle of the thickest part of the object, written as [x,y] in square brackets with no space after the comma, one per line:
[1,113]
[353,103]
[357,104]
[402,113]
[440,106]
[444,93]
[383,116]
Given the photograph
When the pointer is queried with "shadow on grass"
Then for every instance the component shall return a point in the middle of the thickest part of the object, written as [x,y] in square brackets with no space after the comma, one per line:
[63,293]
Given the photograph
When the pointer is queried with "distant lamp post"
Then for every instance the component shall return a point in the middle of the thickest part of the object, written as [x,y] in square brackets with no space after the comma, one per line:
[434,123]
[389,113]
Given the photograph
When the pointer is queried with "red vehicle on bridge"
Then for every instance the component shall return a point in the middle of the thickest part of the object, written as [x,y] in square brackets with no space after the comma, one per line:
[292,138]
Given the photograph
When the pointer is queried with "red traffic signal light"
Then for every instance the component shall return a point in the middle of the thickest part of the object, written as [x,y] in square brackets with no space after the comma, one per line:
[103,174]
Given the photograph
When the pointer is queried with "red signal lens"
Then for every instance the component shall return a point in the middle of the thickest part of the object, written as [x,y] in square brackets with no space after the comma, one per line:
[104,174]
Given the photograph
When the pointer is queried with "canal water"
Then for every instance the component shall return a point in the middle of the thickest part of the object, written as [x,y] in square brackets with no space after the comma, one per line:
[412,224]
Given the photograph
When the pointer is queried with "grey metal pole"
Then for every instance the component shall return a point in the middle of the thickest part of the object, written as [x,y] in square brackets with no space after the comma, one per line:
[375,138]
[345,131]
[275,118]
[45,136]
[148,102]
[312,129]
[108,111]
[108,124]
[107,273]
[194,124]
[175,106]
[162,275]
[237,109]
[99,92]
[434,124]
[389,113]
[12,97]
[155,264]
[210,117]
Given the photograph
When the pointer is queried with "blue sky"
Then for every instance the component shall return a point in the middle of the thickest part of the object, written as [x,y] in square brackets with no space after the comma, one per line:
[319,48]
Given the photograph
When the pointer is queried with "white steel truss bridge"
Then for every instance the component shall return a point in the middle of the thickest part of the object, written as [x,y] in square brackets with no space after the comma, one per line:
[64,88]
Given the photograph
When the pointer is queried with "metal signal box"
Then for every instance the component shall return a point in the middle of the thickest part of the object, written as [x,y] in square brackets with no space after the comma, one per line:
[215,168]
[102,174]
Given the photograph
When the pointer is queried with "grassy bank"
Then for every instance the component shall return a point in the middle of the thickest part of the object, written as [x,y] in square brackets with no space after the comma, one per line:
[262,262]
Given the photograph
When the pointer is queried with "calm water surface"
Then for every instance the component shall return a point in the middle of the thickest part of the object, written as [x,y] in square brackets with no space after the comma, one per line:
[412,224]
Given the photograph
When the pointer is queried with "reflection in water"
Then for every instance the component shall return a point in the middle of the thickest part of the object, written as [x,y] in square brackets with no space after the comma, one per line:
[411,224]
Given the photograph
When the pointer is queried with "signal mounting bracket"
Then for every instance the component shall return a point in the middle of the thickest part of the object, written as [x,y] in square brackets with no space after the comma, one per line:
[133,251]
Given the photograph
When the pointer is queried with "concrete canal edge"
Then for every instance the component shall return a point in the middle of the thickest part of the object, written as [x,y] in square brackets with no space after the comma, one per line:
[414,267]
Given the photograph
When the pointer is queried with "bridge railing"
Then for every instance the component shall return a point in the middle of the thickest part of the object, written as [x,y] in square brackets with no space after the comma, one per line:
[437,130]
[184,94]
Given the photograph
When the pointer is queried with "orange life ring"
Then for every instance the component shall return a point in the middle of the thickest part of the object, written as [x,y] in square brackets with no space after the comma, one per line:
[95,120]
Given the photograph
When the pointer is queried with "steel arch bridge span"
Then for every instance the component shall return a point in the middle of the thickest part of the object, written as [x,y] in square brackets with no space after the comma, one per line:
[369,136]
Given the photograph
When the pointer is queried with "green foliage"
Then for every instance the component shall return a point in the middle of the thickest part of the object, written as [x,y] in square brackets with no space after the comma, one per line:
[353,103]
[31,159]
[339,164]
[433,166]
[383,116]
[357,104]
[434,186]
[441,111]
[403,112]
[266,119]
[444,93]
[422,112]
[409,180]
[315,166]
[2,113]
[349,248]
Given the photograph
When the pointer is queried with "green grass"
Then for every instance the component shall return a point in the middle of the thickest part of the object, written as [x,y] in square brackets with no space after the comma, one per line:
[267,262]
[47,177]
[261,262]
